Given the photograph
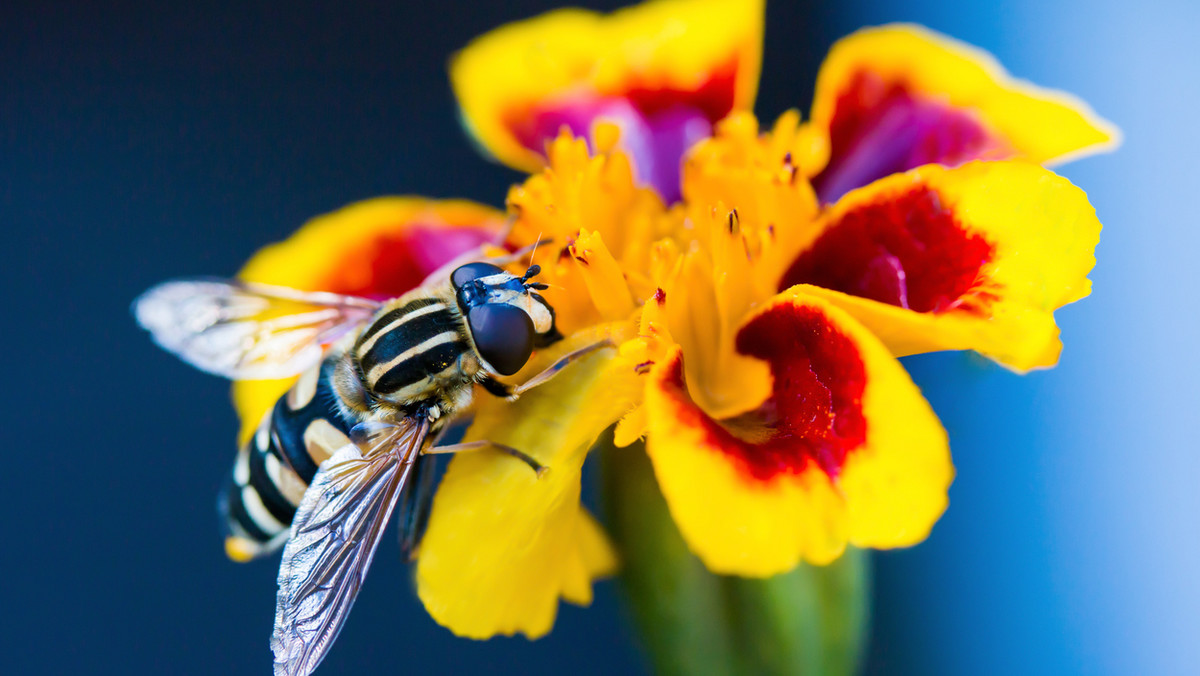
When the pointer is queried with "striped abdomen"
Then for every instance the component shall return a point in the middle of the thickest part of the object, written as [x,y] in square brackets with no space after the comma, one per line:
[275,466]
[412,349]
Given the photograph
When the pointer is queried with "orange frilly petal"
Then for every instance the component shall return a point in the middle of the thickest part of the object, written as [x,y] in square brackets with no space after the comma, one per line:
[763,180]
[503,545]
[378,248]
[764,176]
[846,451]
[706,300]
[597,228]
[516,85]
[898,96]
[977,257]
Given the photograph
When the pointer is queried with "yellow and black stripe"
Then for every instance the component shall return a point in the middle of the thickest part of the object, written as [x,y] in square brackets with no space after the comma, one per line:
[407,354]
[276,465]
[409,349]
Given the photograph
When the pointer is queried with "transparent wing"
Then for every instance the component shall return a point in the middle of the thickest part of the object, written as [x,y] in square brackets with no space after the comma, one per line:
[247,331]
[416,500]
[415,503]
[334,535]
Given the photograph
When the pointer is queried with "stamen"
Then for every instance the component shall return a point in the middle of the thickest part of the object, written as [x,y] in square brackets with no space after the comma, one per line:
[536,244]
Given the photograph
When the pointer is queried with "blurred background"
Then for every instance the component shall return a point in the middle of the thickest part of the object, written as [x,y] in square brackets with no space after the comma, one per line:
[141,141]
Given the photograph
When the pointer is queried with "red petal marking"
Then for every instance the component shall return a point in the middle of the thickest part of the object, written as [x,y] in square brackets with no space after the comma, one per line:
[658,125]
[815,412]
[533,124]
[906,250]
[881,128]
[394,263]
[714,98]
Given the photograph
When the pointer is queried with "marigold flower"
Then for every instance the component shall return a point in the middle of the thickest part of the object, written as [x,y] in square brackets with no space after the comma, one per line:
[755,288]
[780,426]
[710,377]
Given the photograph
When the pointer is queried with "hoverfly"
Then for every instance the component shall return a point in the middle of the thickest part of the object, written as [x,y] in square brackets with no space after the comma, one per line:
[378,382]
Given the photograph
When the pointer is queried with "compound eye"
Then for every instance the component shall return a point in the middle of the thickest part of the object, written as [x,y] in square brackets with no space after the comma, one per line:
[471,272]
[503,334]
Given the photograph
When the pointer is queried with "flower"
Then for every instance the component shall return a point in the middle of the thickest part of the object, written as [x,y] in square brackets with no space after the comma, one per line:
[754,288]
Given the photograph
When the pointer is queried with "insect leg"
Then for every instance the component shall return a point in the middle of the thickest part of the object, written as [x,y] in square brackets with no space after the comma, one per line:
[511,392]
[554,368]
[479,445]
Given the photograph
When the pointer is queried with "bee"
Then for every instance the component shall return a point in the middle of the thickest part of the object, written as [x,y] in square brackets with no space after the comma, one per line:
[378,381]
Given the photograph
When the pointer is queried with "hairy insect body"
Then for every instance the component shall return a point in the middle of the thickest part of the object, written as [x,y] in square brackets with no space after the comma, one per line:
[376,382]
[275,465]
[416,358]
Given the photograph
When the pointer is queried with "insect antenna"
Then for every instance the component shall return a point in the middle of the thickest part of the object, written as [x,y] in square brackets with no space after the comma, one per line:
[533,270]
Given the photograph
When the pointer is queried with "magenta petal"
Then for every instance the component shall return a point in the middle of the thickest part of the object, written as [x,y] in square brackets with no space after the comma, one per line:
[576,115]
[391,264]
[876,132]
[431,247]
[671,133]
[655,143]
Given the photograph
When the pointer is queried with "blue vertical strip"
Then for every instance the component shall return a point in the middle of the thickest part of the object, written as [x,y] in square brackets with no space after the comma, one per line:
[1072,543]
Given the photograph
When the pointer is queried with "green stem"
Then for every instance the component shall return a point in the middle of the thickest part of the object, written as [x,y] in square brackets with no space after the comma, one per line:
[811,620]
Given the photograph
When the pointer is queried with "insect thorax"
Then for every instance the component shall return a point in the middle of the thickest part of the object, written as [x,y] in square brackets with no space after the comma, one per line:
[415,355]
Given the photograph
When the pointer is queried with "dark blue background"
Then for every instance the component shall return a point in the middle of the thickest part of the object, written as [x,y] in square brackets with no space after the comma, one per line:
[144,141]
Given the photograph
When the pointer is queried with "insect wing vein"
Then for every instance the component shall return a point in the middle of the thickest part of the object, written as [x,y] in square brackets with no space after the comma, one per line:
[334,536]
[247,331]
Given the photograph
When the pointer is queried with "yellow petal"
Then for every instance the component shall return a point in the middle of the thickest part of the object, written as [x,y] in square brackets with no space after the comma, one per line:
[603,277]
[846,451]
[503,545]
[703,299]
[630,428]
[587,206]
[703,54]
[593,557]
[977,257]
